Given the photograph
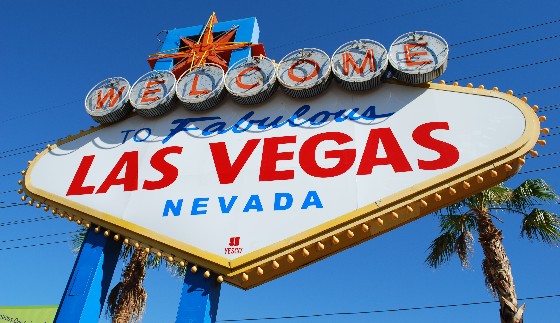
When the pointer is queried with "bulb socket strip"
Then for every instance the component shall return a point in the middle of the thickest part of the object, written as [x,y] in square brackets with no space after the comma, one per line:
[386,216]
[380,221]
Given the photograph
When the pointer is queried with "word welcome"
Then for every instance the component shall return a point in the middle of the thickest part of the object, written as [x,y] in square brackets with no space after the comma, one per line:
[416,57]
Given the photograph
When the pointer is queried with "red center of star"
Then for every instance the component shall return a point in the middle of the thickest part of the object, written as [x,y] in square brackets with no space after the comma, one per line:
[207,49]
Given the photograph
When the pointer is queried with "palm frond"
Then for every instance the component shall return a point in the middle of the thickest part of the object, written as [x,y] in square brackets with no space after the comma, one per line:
[177,270]
[441,249]
[126,252]
[455,237]
[154,261]
[542,226]
[495,195]
[457,223]
[464,247]
[454,208]
[78,238]
[529,193]
[113,299]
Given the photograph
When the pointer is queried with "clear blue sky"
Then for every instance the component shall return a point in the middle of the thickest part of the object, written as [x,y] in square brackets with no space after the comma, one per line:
[53,53]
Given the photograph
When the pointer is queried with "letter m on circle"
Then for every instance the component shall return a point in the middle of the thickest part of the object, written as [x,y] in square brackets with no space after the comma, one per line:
[348,59]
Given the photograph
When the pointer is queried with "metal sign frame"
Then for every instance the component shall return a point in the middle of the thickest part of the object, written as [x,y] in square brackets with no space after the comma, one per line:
[345,231]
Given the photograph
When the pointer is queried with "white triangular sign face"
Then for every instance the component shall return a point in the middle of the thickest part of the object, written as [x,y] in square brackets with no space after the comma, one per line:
[283,183]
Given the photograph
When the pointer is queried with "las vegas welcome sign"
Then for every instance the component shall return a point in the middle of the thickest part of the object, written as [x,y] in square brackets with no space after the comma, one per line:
[251,192]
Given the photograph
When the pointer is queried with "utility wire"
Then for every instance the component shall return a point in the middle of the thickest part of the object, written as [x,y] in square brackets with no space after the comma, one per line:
[9,174]
[348,29]
[504,47]
[288,317]
[507,69]
[539,169]
[4,202]
[550,107]
[505,33]
[19,153]
[445,4]
[58,106]
[409,13]
[540,90]
[23,147]
[43,218]
[548,154]
[10,191]
[34,245]
[37,237]
[13,205]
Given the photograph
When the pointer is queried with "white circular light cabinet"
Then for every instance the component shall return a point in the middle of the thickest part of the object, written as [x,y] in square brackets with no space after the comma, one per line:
[153,94]
[251,80]
[202,88]
[305,72]
[107,101]
[360,65]
[418,57]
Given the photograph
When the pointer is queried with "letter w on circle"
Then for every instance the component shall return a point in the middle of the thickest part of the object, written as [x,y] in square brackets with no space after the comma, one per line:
[110,95]
[348,60]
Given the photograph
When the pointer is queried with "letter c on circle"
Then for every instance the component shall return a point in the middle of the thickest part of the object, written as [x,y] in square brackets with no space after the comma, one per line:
[243,72]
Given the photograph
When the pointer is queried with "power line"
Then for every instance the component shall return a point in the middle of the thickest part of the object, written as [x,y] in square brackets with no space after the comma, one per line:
[34,245]
[13,205]
[539,169]
[550,107]
[37,237]
[504,47]
[9,174]
[540,90]
[10,191]
[548,154]
[505,32]
[58,106]
[43,218]
[20,153]
[507,69]
[288,317]
[356,27]
[474,76]
[23,147]
[445,4]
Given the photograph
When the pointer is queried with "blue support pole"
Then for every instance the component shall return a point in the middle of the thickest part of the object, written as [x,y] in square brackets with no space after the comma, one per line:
[200,296]
[199,299]
[88,285]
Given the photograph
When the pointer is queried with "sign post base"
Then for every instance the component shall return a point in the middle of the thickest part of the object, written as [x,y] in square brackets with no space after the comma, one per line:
[199,299]
[88,285]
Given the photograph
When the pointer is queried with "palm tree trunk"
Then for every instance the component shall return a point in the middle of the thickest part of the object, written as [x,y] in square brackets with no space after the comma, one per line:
[127,300]
[497,269]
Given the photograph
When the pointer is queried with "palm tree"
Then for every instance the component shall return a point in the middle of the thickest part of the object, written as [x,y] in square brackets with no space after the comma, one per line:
[475,214]
[127,300]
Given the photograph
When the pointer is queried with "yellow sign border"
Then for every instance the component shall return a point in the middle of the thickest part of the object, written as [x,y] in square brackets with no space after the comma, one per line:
[330,237]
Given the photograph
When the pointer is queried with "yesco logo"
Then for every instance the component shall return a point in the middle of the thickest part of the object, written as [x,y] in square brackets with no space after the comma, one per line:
[415,57]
